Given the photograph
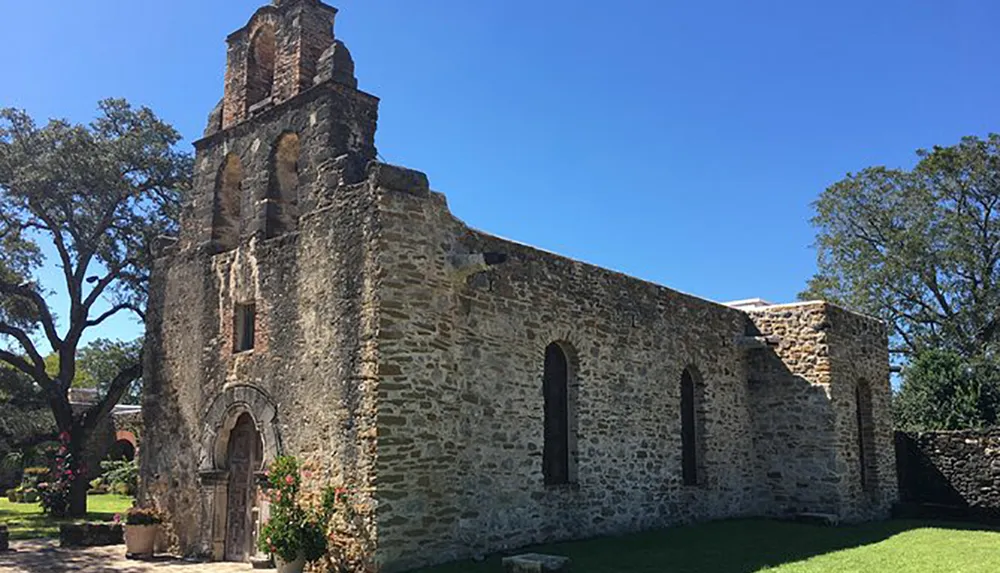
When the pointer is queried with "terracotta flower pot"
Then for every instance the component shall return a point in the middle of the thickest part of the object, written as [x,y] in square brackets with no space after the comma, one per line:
[294,567]
[140,539]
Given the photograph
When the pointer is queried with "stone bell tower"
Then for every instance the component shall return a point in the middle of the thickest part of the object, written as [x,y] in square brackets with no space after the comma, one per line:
[289,84]
[276,56]
[240,337]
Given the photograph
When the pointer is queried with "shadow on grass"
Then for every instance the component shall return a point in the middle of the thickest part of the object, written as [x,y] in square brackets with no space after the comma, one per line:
[24,526]
[26,520]
[739,546]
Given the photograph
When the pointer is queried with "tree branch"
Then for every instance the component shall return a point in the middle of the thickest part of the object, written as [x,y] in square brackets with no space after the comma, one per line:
[118,386]
[111,312]
[48,322]
[23,365]
[26,343]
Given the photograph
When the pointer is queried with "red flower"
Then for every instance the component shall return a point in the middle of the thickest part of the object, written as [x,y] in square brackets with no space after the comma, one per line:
[64,437]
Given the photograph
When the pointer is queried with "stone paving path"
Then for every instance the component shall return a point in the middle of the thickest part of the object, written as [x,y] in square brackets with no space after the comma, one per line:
[47,557]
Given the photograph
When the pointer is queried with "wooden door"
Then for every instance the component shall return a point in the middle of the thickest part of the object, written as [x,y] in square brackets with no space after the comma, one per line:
[244,455]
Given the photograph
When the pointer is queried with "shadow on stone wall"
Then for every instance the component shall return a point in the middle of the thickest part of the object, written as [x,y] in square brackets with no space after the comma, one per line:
[949,475]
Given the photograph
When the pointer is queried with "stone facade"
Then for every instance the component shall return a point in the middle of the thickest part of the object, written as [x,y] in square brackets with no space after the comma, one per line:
[381,339]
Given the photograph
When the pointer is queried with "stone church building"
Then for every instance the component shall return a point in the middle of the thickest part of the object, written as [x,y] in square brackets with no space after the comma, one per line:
[481,394]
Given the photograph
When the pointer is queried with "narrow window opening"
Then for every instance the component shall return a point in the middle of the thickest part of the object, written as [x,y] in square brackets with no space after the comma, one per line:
[260,66]
[283,192]
[556,451]
[866,436]
[244,327]
[690,438]
[226,209]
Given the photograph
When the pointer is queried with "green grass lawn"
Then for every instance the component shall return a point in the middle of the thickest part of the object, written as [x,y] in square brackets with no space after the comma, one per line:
[748,546]
[26,521]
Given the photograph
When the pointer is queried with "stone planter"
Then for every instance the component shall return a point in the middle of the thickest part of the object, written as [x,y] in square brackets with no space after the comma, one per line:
[140,541]
[294,567]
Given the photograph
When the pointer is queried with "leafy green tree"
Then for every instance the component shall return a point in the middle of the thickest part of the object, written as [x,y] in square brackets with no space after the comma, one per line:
[97,195]
[918,248]
[97,364]
[942,390]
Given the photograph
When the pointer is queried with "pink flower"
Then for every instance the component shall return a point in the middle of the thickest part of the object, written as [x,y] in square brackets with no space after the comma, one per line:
[64,437]
[117,518]
[289,480]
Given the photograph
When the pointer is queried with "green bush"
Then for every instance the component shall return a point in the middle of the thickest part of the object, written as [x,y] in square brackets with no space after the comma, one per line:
[121,476]
[33,476]
[97,487]
[12,495]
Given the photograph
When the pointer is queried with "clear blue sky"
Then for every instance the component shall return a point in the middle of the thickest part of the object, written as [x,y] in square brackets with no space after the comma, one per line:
[678,141]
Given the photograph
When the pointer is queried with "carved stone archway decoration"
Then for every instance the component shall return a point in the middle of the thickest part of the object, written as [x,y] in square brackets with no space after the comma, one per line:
[219,420]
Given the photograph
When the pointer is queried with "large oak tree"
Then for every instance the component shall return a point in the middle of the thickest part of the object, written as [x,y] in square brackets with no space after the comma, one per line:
[920,249]
[96,196]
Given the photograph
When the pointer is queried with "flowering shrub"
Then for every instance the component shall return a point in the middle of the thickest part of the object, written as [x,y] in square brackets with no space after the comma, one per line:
[294,529]
[55,494]
[322,523]
[141,516]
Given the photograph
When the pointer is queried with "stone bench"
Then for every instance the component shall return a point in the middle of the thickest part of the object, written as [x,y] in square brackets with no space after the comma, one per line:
[535,563]
[90,534]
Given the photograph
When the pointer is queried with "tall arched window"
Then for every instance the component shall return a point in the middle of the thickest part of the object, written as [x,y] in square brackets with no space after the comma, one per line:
[260,65]
[226,209]
[556,453]
[691,438]
[283,191]
[866,435]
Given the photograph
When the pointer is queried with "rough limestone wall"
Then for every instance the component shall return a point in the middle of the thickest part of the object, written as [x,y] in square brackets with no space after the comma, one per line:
[793,419]
[960,468]
[460,395]
[859,350]
[313,357]
[173,396]
[805,418]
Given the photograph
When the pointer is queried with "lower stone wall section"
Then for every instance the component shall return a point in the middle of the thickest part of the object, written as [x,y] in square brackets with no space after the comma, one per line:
[959,469]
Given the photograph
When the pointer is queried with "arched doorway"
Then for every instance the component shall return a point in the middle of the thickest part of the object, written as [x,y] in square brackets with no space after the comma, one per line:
[122,450]
[244,454]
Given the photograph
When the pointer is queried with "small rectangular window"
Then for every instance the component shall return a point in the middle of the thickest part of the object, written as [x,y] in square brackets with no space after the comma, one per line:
[244,320]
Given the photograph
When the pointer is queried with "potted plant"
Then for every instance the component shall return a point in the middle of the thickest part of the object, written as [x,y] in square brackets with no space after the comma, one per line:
[141,527]
[294,534]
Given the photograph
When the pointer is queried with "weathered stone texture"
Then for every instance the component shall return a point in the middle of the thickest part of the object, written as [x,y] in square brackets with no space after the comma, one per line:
[403,352]
[960,469]
[460,408]
[804,411]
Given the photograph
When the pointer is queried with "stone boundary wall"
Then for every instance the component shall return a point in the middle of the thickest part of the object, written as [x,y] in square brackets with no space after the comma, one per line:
[958,469]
